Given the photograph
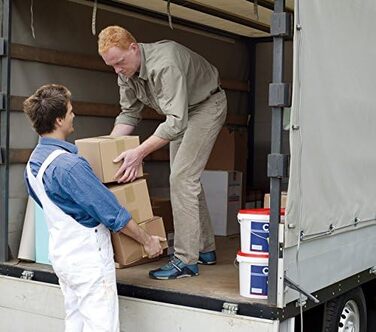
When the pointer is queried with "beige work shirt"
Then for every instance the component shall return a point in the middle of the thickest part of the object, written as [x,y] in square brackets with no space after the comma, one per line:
[172,80]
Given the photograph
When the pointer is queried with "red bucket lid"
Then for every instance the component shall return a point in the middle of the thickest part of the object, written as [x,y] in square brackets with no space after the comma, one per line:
[245,254]
[262,211]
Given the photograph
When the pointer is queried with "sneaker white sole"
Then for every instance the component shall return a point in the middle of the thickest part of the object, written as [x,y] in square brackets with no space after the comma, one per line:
[186,275]
[178,277]
[208,263]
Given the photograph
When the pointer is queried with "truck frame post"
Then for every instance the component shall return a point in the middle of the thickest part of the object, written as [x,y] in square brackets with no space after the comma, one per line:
[277,162]
[4,129]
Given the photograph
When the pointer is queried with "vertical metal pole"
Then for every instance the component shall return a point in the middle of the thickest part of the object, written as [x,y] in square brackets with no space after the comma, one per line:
[251,112]
[275,249]
[4,129]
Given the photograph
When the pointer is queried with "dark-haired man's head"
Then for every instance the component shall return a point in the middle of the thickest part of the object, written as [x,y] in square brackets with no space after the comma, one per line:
[50,110]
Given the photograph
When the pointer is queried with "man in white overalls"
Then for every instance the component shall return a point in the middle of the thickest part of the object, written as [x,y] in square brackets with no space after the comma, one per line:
[79,212]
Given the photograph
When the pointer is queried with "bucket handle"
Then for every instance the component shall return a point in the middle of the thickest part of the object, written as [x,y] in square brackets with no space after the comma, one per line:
[259,236]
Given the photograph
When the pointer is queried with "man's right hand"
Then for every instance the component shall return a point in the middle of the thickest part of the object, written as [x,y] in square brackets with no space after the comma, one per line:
[153,246]
[151,243]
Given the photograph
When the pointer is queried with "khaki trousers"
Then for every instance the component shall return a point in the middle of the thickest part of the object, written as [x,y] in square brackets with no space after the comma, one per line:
[188,157]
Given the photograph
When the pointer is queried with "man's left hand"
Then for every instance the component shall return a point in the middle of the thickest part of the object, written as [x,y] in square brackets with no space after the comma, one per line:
[132,159]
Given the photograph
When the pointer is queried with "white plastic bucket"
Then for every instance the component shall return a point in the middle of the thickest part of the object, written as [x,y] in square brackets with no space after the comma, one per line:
[253,275]
[254,230]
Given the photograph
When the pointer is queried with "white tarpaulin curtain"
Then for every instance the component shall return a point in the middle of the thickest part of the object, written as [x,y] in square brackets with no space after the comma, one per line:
[333,123]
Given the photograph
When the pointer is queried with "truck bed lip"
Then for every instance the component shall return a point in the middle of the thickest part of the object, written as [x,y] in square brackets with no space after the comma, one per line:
[258,310]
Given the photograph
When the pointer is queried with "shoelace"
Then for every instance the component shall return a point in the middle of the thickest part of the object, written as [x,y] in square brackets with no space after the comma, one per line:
[173,263]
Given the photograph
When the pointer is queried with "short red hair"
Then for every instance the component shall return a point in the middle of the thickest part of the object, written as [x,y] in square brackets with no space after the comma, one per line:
[114,36]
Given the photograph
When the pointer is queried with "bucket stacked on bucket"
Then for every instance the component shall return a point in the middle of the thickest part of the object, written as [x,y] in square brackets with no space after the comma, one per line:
[253,257]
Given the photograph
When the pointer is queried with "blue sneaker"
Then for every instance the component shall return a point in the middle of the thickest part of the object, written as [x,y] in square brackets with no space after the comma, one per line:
[174,269]
[207,258]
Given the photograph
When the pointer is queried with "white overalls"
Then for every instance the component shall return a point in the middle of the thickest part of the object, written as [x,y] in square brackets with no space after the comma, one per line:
[82,258]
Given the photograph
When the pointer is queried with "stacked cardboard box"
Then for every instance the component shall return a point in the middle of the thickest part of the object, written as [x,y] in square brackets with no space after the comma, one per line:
[134,197]
[100,153]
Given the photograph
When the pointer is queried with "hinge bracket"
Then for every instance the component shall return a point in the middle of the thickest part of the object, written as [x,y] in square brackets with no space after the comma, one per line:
[277,165]
[27,275]
[230,308]
[281,25]
[279,95]
[2,47]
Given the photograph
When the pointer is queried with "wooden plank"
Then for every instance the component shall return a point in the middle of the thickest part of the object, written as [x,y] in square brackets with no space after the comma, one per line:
[162,154]
[111,111]
[235,85]
[21,156]
[236,120]
[59,58]
[84,108]
[89,62]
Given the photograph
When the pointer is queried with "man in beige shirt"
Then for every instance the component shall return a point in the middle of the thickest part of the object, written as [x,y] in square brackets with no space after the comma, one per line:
[183,86]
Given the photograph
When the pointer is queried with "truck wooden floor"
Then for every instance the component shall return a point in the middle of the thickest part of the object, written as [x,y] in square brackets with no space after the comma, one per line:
[219,282]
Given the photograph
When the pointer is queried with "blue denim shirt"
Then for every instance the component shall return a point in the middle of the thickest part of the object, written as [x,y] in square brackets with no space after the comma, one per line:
[71,184]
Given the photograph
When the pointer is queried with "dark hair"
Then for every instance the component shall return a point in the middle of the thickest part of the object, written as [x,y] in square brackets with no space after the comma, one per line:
[48,103]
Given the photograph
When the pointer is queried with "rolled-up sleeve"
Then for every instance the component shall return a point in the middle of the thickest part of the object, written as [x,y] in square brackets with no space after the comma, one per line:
[173,101]
[94,198]
[130,106]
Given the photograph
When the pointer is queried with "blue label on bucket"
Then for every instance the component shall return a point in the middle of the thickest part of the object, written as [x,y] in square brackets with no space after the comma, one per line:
[259,236]
[259,280]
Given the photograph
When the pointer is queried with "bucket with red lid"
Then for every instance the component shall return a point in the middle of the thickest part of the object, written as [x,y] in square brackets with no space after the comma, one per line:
[253,275]
[254,230]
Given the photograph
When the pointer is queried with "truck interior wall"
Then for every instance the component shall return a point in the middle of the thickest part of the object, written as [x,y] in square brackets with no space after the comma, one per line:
[66,26]
[263,115]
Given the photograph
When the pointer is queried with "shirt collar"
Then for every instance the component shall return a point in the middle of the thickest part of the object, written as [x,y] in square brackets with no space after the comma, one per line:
[143,72]
[58,142]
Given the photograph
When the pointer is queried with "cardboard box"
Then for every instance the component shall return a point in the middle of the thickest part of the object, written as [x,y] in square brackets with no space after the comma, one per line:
[135,198]
[101,151]
[128,251]
[283,200]
[223,193]
[162,207]
[230,151]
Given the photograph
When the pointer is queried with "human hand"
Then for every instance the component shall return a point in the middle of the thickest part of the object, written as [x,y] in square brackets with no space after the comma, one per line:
[132,159]
[153,246]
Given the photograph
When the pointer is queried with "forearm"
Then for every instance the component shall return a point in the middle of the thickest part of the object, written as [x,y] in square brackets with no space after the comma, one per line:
[122,130]
[152,144]
[136,232]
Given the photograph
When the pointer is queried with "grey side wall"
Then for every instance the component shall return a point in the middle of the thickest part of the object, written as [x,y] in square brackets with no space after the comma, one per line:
[66,26]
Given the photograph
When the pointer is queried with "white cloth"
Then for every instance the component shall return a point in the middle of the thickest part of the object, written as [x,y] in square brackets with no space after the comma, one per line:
[82,259]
